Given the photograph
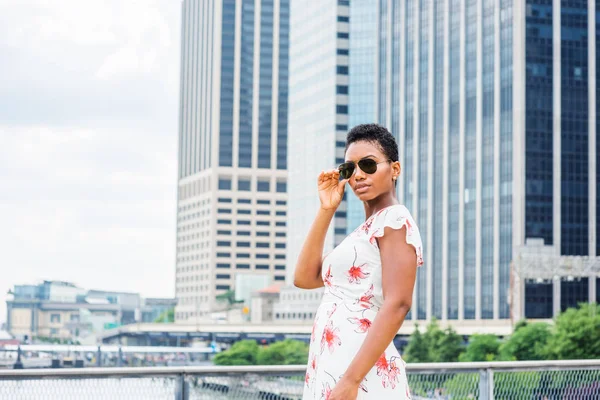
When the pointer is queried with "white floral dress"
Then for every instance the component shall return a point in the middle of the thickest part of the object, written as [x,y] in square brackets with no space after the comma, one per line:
[353,295]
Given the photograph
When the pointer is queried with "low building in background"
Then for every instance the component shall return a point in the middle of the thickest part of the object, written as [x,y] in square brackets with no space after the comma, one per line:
[61,310]
[297,306]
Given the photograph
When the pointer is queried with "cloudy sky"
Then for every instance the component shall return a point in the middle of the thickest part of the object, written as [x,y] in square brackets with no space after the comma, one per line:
[88,139]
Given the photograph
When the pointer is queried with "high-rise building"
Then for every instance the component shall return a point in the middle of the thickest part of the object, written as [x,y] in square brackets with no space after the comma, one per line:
[319,37]
[494,104]
[232,178]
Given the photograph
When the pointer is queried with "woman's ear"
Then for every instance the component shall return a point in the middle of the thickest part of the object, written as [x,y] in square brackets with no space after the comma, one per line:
[396,169]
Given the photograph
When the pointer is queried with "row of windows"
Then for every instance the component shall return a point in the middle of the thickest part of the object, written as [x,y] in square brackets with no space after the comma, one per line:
[278,267]
[227,243]
[248,201]
[248,212]
[259,256]
[245,185]
[248,233]
[246,222]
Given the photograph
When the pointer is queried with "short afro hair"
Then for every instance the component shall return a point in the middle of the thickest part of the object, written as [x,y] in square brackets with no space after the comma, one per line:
[374,134]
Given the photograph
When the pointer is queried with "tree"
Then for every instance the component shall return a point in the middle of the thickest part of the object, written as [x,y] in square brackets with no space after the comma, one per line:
[287,352]
[244,352]
[576,334]
[417,350]
[166,317]
[528,342]
[448,347]
[481,348]
[229,297]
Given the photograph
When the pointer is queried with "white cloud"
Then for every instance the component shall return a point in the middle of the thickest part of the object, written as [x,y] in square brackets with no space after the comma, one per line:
[88,126]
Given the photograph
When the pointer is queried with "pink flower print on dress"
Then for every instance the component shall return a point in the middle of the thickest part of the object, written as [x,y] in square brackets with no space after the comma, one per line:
[356,273]
[307,378]
[313,363]
[363,324]
[328,276]
[330,312]
[393,374]
[331,338]
[365,300]
[326,392]
[382,365]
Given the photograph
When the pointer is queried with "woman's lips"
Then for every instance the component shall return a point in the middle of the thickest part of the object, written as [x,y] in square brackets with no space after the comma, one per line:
[361,188]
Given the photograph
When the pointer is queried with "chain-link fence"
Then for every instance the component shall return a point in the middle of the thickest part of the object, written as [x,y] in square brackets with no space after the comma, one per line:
[539,380]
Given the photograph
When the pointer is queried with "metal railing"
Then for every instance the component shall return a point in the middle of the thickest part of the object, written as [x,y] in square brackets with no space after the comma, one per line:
[578,379]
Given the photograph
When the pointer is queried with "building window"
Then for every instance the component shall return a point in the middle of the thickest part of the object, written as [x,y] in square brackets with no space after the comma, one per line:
[263,186]
[243,244]
[55,318]
[224,255]
[280,267]
[281,213]
[244,201]
[244,184]
[242,266]
[224,211]
[339,127]
[342,70]
[280,245]
[222,287]
[223,243]
[224,200]
[264,245]
[263,212]
[341,89]
[263,202]
[243,255]
[53,331]
[280,278]
[224,184]
[280,256]
[262,266]
[343,52]
[281,202]
[263,223]
[343,35]
[243,233]
[281,223]
[280,234]
[262,256]
[281,187]
[341,18]
[224,221]
[223,276]
[243,222]
[223,232]
[262,233]
[244,212]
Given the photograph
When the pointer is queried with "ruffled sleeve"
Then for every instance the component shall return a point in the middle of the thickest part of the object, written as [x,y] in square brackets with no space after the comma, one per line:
[397,217]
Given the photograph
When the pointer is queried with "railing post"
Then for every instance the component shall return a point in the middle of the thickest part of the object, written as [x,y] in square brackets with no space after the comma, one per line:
[99,357]
[486,384]
[181,388]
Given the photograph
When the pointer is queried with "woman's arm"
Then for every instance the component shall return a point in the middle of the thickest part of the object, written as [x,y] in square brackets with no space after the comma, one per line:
[399,271]
[308,267]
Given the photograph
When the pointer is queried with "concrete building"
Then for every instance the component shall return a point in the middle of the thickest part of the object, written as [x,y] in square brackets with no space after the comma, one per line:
[494,104]
[62,310]
[232,178]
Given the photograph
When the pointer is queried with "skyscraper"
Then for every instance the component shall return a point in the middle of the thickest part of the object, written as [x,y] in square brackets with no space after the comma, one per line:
[232,177]
[319,33]
[494,104]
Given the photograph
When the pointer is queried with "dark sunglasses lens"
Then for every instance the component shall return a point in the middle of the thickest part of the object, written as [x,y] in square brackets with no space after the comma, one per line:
[346,170]
[368,166]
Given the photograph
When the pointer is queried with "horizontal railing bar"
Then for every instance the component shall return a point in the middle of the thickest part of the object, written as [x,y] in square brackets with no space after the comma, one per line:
[496,366]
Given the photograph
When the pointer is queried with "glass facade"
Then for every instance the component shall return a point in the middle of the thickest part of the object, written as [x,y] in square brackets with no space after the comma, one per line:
[598,135]
[453,155]
[282,117]
[246,84]
[227,66]
[265,84]
[362,85]
[574,128]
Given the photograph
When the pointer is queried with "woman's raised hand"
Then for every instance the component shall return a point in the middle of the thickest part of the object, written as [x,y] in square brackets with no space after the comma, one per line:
[331,189]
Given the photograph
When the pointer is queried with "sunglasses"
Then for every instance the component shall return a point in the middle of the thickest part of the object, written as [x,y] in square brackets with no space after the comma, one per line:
[366,165]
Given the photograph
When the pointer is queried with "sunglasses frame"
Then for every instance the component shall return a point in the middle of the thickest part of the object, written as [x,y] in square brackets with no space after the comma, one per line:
[357,164]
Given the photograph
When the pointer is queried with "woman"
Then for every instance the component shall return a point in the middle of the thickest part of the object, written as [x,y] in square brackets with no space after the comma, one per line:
[368,278]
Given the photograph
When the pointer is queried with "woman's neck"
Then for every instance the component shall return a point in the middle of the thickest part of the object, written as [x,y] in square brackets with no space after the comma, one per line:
[379,203]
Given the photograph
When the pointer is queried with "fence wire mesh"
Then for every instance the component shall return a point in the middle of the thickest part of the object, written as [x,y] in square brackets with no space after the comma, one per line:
[439,382]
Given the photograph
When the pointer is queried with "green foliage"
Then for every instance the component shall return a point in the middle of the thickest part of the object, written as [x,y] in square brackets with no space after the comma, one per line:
[229,297]
[244,352]
[576,334]
[528,342]
[248,352]
[434,345]
[288,352]
[417,351]
[481,348]
[166,317]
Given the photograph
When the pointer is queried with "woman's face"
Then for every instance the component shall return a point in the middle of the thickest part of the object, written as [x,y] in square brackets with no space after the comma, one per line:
[370,186]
